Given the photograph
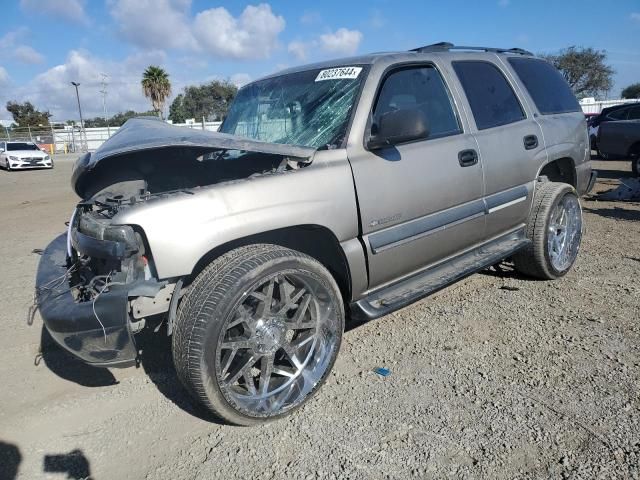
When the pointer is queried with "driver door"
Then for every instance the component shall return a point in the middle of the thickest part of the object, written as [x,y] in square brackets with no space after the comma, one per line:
[420,201]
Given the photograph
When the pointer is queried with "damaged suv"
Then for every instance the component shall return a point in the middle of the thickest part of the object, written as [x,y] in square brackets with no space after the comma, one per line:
[349,188]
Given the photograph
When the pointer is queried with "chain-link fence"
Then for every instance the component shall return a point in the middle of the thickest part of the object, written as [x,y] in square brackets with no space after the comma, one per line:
[67,139]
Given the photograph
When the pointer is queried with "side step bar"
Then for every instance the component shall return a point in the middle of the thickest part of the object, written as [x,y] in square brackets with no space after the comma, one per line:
[426,282]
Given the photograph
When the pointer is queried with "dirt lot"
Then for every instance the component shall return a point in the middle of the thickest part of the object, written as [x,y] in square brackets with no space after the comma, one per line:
[495,377]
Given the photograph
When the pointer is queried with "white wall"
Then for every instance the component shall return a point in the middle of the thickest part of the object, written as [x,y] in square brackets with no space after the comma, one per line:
[72,140]
[591,105]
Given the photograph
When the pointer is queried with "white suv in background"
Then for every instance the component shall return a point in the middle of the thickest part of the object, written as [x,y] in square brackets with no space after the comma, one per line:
[22,155]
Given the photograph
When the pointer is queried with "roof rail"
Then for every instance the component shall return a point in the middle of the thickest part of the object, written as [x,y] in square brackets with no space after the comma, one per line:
[446,46]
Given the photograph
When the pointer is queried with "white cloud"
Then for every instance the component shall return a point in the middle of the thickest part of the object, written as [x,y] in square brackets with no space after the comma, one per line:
[252,35]
[377,19]
[4,77]
[298,50]
[26,54]
[342,41]
[310,17]
[11,46]
[167,24]
[69,10]
[9,39]
[51,90]
[240,79]
[154,23]
[635,16]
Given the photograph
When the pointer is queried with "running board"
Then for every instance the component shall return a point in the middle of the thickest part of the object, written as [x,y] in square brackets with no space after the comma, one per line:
[426,282]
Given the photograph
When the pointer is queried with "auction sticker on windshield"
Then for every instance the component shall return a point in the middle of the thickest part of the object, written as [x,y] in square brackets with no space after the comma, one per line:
[338,73]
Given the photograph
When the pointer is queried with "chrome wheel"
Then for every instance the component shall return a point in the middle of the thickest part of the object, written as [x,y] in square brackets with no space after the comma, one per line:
[564,233]
[277,344]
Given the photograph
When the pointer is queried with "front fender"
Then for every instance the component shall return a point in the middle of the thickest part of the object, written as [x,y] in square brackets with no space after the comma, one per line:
[181,228]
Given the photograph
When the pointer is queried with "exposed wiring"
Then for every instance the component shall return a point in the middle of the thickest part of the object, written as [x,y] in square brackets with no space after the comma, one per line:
[95,299]
[106,285]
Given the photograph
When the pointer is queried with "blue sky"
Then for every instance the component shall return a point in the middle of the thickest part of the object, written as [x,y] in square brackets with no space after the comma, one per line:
[45,44]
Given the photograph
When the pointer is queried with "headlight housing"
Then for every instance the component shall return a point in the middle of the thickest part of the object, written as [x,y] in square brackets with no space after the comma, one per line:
[102,229]
[15,159]
[47,158]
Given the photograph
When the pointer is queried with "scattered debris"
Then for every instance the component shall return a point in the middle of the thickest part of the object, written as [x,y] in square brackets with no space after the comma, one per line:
[383,372]
[628,190]
[509,288]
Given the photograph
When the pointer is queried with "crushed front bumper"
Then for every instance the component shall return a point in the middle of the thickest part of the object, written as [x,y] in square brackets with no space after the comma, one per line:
[98,331]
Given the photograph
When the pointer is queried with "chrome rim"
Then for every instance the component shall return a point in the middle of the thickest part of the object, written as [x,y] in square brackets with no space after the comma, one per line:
[565,231]
[277,344]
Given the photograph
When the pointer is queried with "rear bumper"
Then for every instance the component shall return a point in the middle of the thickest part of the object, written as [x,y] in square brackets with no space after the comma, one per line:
[97,332]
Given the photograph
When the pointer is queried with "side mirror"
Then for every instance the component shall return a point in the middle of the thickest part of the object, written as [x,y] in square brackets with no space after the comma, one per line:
[399,126]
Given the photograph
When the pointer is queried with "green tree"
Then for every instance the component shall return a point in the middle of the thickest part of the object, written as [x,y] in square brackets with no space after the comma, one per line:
[177,112]
[26,115]
[585,69]
[95,122]
[210,101]
[118,119]
[156,87]
[632,91]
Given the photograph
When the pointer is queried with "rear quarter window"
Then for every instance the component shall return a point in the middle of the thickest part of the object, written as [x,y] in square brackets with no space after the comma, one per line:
[548,89]
[634,114]
[491,98]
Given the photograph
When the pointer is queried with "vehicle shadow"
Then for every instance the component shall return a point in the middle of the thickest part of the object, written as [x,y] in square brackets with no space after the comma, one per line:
[74,464]
[67,367]
[156,359]
[10,459]
[615,213]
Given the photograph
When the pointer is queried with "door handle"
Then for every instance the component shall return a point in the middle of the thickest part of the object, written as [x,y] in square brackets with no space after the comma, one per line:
[467,158]
[530,142]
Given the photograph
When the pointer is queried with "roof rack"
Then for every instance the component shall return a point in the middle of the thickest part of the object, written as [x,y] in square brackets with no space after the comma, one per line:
[446,46]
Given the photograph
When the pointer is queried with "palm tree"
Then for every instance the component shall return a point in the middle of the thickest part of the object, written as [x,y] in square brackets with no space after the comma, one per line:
[156,87]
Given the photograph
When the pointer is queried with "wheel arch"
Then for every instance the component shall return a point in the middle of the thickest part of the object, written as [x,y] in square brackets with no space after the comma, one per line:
[561,170]
[314,240]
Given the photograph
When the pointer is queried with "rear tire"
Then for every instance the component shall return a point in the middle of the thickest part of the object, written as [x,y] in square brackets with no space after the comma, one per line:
[555,230]
[258,332]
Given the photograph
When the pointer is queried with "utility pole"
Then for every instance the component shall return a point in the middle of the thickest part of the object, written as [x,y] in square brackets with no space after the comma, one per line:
[104,101]
[82,133]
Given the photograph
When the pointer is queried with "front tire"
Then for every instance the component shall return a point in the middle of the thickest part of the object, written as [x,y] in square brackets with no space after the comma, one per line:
[555,230]
[258,332]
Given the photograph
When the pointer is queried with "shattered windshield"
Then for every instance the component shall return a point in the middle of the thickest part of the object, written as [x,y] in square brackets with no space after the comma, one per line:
[310,108]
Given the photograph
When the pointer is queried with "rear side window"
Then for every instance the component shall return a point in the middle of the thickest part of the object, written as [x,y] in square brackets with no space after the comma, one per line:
[419,88]
[492,100]
[634,113]
[548,89]
[619,114]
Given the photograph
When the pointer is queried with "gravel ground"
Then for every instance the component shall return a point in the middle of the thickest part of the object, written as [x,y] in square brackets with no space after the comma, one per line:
[495,377]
